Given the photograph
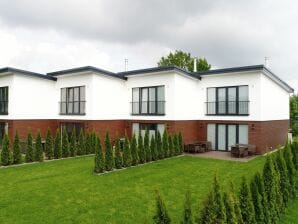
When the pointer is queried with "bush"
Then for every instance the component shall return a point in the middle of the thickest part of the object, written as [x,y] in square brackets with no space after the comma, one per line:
[161,216]
[290,170]
[147,146]
[180,143]
[160,153]
[236,204]
[141,151]
[81,150]
[99,166]
[118,156]
[246,205]
[176,144]
[153,149]
[65,144]
[16,155]
[171,147]
[5,152]
[134,150]
[29,152]
[126,153]
[57,145]
[38,148]
[279,200]
[87,143]
[187,215]
[93,142]
[257,201]
[294,148]
[73,143]
[231,217]
[165,144]
[109,156]
[49,145]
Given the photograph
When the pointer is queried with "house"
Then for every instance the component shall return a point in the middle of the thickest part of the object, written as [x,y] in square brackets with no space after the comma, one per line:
[224,106]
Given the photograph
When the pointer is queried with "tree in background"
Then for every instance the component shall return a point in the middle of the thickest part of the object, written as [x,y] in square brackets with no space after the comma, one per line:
[99,161]
[48,148]
[16,153]
[180,143]
[141,151]
[126,153]
[109,155]
[73,143]
[245,202]
[159,147]
[134,150]
[88,143]
[187,214]
[176,144]
[57,145]
[161,216]
[165,143]
[291,172]
[118,156]
[5,152]
[81,150]
[294,114]
[29,151]
[38,148]
[65,144]
[153,149]
[171,146]
[147,146]
[184,60]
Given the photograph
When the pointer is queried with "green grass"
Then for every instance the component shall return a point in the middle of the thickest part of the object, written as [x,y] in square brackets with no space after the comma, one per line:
[67,191]
[291,215]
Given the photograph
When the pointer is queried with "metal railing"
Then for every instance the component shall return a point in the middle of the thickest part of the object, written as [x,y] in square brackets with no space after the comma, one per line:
[4,107]
[148,108]
[227,108]
[72,108]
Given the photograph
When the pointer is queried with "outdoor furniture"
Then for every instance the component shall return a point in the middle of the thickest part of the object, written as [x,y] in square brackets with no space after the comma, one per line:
[198,147]
[239,150]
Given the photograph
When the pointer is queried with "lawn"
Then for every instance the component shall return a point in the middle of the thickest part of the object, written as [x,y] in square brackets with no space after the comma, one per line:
[67,191]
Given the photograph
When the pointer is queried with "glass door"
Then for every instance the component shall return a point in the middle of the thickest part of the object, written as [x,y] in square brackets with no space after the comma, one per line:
[232,133]
[221,137]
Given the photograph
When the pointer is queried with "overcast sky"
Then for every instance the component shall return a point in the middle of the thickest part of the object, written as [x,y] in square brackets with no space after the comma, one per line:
[49,35]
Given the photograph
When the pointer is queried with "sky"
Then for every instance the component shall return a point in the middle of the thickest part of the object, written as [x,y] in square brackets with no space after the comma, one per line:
[49,35]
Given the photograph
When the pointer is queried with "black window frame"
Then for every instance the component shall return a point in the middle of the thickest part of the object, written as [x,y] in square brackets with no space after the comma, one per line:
[156,102]
[217,102]
[4,91]
[73,101]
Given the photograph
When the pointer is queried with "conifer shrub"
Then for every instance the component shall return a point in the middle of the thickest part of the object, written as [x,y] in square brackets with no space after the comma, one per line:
[176,144]
[153,149]
[118,156]
[207,214]
[231,217]
[279,199]
[5,152]
[141,151]
[29,149]
[187,214]
[126,153]
[161,216]
[180,143]
[257,201]
[73,143]
[81,149]
[159,147]
[134,150]
[65,144]
[165,143]
[16,153]
[236,204]
[57,145]
[93,142]
[147,146]
[48,148]
[171,146]
[245,202]
[99,161]
[109,155]
[38,148]
[294,149]
[88,143]
[288,156]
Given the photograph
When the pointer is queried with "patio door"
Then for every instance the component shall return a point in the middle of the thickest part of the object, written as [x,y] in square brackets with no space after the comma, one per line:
[221,137]
[232,135]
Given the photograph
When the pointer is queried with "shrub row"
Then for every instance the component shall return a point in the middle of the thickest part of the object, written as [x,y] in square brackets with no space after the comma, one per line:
[261,200]
[137,150]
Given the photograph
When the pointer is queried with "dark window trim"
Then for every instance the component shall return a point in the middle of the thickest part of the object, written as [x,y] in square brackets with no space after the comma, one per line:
[4,101]
[73,101]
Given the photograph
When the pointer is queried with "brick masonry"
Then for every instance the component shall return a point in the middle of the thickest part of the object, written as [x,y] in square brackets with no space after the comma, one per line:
[264,134]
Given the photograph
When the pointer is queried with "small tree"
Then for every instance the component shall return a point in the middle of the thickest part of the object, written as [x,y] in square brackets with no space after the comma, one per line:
[171,146]
[118,156]
[99,166]
[153,149]
[187,214]
[180,143]
[93,145]
[5,152]
[81,144]
[176,144]
[291,172]
[231,217]
[57,145]
[294,148]
[165,143]
[219,211]
[126,153]
[257,201]
[134,150]
[161,216]
[245,202]
[141,150]
[147,146]
[49,145]
[159,147]
[17,155]
[206,214]
[109,156]
[279,200]
[236,204]
[73,143]
[88,143]
[38,148]
[65,143]
[29,152]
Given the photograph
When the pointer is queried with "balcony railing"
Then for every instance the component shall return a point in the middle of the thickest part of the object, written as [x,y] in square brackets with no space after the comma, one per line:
[72,108]
[3,107]
[148,108]
[227,108]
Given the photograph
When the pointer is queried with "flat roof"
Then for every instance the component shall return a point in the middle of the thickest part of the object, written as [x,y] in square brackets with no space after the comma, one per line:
[27,73]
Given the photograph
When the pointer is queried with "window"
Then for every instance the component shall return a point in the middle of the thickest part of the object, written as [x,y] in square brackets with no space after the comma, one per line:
[4,100]
[227,100]
[73,100]
[152,128]
[148,100]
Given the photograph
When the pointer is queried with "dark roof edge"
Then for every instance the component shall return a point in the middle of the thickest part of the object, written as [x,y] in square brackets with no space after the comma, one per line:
[83,69]
[280,81]
[28,73]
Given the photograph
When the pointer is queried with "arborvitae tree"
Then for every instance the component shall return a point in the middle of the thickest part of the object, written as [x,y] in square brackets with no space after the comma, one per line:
[218,202]
[171,146]
[294,149]
[65,144]
[57,145]
[81,150]
[88,143]
[5,152]
[245,202]
[279,200]
[159,147]
[30,151]
[231,217]
[165,143]
[161,216]
[285,186]
[207,214]
[99,160]
[16,153]
[290,170]
[126,153]
[180,143]
[176,144]
[261,190]
[236,204]
[109,155]
[38,148]
[257,201]
[270,185]
[147,146]
[73,143]
[153,149]
[118,156]
[94,142]
[48,148]
[187,214]
[134,150]
[141,151]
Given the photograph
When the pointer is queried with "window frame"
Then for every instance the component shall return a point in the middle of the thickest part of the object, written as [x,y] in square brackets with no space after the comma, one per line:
[73,102]
[5,101]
